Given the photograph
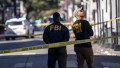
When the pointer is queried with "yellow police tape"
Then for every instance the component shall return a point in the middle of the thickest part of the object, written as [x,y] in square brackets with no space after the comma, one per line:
[46,24]
[1,24]
[69,23]
[106,21]
[53,45]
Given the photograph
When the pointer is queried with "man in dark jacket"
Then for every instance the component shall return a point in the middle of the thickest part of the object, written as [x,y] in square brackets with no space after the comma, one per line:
[56,32]
[82,31]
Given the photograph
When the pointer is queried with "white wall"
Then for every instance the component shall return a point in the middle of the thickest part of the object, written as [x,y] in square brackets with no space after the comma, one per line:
[106,12]
[114,15]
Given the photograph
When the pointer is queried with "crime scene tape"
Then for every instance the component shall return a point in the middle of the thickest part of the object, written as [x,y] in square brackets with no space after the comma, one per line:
[68,23]
[103,22]
[1,24]
[106,21]
[53,45]
[46,24]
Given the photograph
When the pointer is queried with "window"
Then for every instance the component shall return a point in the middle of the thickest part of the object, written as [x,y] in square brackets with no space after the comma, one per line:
[14,23]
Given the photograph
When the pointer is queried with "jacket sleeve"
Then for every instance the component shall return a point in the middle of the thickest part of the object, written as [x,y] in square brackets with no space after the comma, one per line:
[66,35]
[89,29]
[46,37]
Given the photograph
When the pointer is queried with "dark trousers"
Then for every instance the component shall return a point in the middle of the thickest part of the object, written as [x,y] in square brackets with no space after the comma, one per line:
[59,54]
[84,53]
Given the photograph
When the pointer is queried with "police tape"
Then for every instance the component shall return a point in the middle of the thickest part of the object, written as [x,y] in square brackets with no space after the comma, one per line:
[2,25]
[106,21]
[70,23]
[46,24]
[53,45]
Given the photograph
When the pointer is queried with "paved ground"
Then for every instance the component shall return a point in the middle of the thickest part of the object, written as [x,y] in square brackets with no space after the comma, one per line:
[103,57]
[38,59]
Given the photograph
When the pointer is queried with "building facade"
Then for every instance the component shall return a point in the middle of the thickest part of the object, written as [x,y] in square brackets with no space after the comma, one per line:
[104,12]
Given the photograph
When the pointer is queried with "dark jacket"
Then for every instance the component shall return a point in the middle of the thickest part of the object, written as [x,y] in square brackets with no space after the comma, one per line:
[82,31]
[56,32]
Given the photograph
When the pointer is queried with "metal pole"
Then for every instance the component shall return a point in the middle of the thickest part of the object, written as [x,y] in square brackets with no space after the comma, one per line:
[106,23]
[103,26]
[100,21]
[100,14]
[118,14]
[98,17]
[94,30]
[111,21]
[116,21]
